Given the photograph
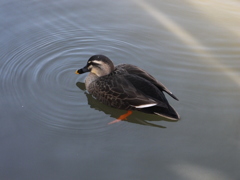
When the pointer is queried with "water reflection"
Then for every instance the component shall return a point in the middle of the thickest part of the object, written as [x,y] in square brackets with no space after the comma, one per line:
[137,117]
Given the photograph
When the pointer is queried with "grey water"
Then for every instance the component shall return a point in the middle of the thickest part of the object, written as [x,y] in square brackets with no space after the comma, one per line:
[51,128]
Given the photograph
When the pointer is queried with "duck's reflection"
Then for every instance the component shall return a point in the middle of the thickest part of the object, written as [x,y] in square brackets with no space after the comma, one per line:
[136,117]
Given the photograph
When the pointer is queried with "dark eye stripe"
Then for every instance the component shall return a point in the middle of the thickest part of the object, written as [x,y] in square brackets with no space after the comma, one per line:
[95,64]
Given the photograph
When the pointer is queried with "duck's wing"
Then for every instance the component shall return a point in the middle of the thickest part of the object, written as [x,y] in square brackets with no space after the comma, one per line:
[151,91]
[117,91]
[131,69]
[146,87]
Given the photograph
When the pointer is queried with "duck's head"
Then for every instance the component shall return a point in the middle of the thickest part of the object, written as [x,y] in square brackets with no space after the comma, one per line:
[99,65]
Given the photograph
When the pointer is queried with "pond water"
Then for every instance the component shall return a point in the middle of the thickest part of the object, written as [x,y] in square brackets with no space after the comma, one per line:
[51,128]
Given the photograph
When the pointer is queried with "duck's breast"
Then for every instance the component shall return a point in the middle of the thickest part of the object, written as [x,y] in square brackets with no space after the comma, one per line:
[89,79]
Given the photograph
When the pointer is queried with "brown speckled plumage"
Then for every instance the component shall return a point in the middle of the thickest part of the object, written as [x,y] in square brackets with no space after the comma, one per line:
[127,87]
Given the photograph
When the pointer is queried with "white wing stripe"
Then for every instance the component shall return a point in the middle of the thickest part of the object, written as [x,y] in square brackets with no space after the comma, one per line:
[146,105]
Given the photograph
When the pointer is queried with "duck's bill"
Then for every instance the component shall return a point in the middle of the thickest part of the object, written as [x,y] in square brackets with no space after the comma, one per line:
[81,71]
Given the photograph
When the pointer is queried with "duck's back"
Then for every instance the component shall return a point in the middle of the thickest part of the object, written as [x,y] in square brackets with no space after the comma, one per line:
[134,70]
[117,91]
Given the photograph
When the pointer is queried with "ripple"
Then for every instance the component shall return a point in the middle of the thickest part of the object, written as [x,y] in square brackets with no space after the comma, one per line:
[39,76]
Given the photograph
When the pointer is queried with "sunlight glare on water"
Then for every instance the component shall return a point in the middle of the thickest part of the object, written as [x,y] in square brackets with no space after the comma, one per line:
[189,40]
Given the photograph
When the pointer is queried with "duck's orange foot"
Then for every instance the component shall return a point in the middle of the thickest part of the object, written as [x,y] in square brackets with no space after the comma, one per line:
[122,117]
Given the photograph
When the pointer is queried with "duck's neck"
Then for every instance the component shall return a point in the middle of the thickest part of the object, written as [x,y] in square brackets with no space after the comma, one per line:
[89,79]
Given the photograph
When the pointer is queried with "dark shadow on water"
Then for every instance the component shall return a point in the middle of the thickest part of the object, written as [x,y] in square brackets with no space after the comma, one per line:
[137,117]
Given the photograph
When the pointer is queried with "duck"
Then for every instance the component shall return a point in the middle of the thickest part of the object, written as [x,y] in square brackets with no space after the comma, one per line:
[127,87]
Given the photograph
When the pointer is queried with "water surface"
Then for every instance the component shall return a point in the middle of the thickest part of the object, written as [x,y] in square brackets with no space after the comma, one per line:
[51,128]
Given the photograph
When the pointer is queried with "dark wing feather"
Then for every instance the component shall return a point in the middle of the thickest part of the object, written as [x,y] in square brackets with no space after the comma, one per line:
[147,89]
[150,90]
[131,69]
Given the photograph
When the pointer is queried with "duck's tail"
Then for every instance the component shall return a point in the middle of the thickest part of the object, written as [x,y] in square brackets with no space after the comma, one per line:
[168,113]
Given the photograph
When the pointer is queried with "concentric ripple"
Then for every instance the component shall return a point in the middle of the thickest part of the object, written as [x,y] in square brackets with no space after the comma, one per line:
[39,78]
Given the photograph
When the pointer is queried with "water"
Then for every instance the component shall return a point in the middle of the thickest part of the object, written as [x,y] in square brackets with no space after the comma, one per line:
[51,128]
